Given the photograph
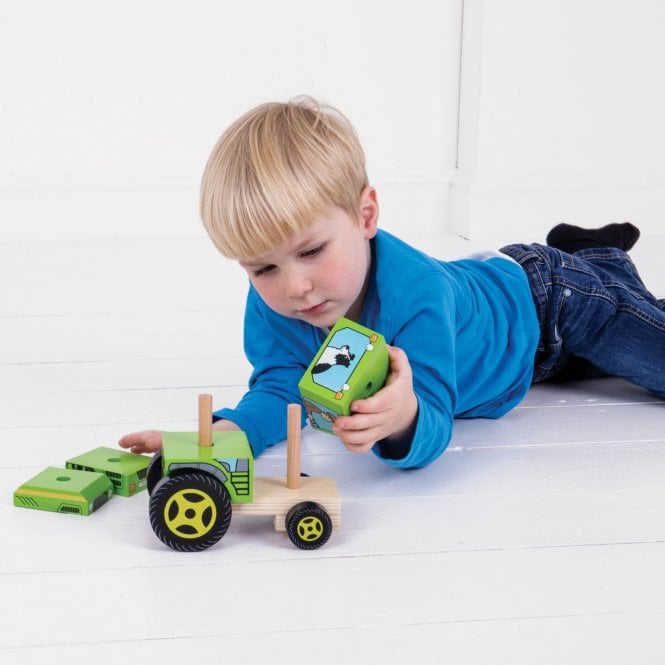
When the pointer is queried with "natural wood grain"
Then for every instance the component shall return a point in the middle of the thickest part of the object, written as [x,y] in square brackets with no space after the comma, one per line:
[293,447]
[205,420]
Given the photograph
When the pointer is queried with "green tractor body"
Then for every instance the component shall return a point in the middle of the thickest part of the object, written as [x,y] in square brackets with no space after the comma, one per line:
[229,459]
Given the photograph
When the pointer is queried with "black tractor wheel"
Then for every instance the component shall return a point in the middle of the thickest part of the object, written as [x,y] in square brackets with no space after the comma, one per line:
[155,472]
[190,511]
[308,526]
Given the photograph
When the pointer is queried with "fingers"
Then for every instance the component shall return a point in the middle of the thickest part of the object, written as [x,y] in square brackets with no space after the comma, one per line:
[149,441]
[354,433]
[397,357]
[358,448]
[370,423]
[382,400]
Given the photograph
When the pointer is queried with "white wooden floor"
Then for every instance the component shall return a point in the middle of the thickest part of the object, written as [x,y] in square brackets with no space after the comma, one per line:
[538,538]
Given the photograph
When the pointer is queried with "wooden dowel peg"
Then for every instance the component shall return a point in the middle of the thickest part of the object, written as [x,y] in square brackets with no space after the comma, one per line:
[293,431]
[205,421]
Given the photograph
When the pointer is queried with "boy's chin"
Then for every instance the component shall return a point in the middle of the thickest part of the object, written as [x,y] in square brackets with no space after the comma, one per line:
[322,321]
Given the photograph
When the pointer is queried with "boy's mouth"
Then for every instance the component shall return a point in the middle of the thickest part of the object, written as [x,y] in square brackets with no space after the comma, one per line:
[313,311]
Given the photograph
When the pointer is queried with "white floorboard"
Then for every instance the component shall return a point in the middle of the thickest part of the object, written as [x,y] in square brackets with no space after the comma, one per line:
[537,538]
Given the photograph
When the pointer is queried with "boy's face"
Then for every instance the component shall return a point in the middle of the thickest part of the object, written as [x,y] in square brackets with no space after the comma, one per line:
[322,273]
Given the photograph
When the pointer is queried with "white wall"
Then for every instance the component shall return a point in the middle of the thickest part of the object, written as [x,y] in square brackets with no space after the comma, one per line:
[108,111]
[562,116]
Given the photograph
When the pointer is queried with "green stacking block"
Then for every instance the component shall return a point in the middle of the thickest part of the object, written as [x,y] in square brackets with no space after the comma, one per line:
[65,491]
[126,471]
[351,364]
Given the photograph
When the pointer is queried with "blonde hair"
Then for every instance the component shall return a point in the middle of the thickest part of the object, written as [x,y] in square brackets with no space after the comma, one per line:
[274,170]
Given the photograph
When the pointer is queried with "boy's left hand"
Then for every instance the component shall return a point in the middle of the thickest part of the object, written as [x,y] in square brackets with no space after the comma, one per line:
[389,413]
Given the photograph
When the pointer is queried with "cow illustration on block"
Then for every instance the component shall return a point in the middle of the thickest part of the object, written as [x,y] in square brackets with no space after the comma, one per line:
[332,356]
[351,364]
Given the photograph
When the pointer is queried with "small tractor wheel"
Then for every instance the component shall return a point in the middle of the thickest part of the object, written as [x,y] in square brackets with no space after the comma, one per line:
[308,526]
[190,511]
[155,472]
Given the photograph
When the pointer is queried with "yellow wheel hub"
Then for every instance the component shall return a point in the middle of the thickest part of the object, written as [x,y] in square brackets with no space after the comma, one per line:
[190,513]
[310,528]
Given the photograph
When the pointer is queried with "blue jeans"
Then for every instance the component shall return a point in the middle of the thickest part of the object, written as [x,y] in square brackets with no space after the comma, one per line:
[592,304]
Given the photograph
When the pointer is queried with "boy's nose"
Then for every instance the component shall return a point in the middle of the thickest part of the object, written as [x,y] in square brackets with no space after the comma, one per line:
[297,285]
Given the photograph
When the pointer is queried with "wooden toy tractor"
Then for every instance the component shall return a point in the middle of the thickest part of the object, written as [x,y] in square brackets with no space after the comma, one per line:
[197,483]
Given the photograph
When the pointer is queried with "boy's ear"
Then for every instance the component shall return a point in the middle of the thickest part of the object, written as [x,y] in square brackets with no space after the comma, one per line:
[369,211]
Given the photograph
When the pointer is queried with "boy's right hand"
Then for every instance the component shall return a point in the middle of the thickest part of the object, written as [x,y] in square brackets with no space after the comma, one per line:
[149,441]
[390,413]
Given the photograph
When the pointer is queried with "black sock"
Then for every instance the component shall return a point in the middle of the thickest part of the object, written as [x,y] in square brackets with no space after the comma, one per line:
[571,238]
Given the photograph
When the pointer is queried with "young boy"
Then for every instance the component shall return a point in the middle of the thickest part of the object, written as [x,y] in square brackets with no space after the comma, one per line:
[285,192]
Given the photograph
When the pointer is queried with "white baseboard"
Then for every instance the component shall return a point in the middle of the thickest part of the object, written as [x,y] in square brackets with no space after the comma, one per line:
[523,209]
[425,209]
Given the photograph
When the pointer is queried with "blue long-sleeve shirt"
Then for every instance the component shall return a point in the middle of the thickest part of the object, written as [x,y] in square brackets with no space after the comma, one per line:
[469,329]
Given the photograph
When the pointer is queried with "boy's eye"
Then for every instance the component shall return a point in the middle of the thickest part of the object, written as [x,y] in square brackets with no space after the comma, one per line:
[314,251]
[263,270]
